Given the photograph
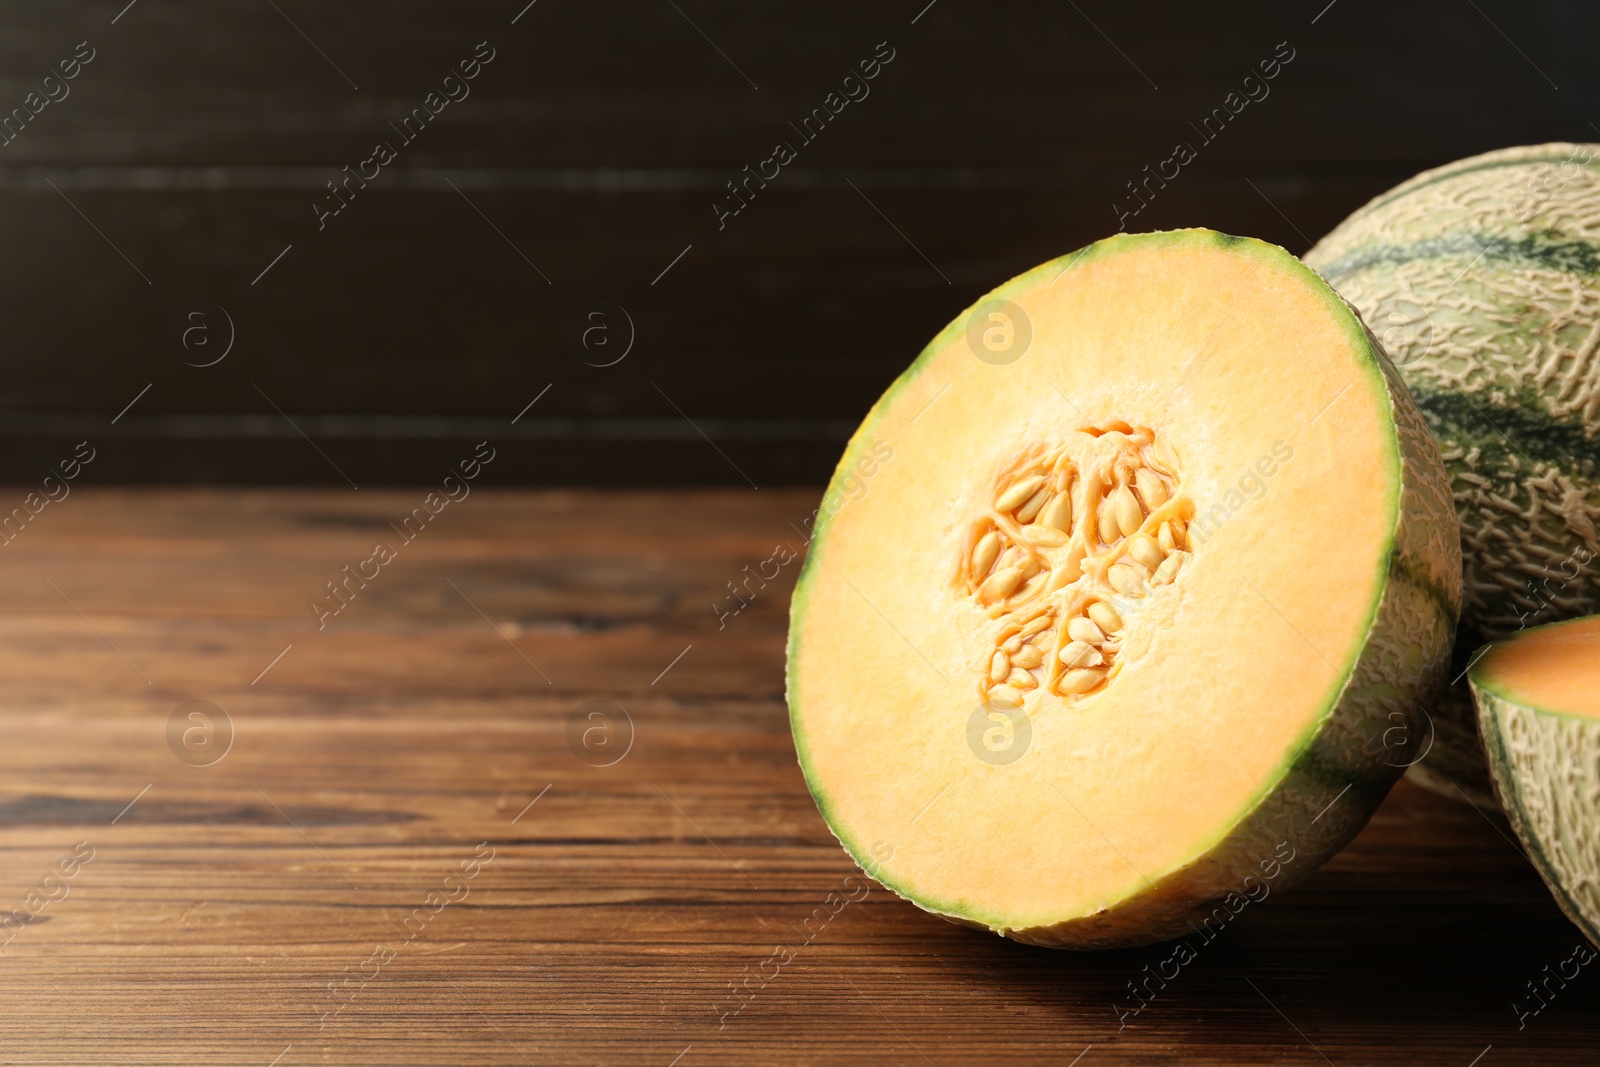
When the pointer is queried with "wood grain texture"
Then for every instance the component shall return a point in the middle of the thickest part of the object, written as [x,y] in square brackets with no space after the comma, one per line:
[592,150]
[377,754]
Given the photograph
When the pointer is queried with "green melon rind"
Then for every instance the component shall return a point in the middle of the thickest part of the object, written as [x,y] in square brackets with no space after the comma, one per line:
[1546,770]
[1514,447]
[1346,762]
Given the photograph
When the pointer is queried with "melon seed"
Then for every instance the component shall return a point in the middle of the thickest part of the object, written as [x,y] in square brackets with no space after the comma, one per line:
[1021,679]
[1027,657]
[1105,616]
[1129,514]
[985,553]
[1019,492]
[1059,512]
[1043,536]
[1027,511]
[1013,643]
[1000,584]
[1146,551]
[1170,568]
[999,667]
[1124,579]
[1078,654]
[1081,629]
[1041,623]
[1004,696]
[1151,488]
[1164,454]
[1108,522]
[1167,540]
[1082,680]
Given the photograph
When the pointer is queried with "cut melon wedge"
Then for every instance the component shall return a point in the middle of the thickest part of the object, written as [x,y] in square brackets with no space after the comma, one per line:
[1136,625]
[1538,699]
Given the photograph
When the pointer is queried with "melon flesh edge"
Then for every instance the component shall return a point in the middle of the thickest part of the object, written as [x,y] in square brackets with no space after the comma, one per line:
[1355,737]
[1540,721]
[1492,259]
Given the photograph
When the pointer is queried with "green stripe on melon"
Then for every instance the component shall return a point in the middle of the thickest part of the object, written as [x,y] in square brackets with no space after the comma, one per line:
[1482,279]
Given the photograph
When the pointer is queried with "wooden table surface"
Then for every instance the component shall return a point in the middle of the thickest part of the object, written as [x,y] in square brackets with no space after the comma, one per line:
[408,855]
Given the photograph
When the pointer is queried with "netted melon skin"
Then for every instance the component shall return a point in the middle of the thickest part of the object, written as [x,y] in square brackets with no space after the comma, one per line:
[1376,729]
[1547,775]
[1483,280]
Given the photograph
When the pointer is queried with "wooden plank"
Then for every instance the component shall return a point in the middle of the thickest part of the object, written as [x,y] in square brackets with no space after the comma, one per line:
[376,755]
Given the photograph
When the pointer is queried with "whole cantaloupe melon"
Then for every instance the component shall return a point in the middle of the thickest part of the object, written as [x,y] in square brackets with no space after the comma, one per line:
[1482,278]
[1136,628]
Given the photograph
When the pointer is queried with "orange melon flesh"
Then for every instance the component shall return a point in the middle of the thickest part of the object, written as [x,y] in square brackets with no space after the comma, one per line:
[1281,418]
[1554,669]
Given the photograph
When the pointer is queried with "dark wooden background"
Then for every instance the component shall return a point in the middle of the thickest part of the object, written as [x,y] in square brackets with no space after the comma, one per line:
[595,144]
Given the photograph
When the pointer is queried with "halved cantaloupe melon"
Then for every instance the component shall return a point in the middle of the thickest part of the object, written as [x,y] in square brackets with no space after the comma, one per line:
[1137,623]
[1538,699]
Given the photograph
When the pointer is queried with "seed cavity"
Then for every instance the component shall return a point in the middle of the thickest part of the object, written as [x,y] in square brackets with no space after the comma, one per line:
[1071,530]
